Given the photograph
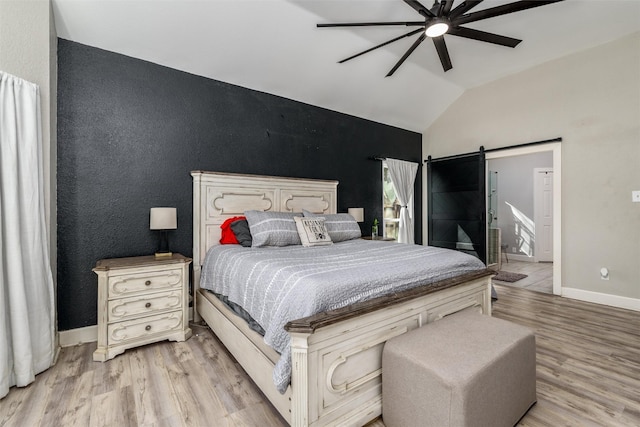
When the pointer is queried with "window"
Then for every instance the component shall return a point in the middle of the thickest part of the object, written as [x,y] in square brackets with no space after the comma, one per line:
[390,206]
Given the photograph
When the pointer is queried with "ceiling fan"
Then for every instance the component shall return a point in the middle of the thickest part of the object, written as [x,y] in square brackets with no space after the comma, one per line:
[442,18]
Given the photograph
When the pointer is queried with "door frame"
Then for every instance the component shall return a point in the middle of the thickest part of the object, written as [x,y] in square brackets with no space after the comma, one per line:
[555,148]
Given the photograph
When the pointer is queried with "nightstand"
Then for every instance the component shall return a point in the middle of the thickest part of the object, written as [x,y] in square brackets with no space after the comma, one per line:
[384,239]
[141,300]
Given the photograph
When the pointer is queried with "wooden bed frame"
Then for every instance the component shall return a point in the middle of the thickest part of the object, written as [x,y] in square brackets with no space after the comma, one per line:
[336,356]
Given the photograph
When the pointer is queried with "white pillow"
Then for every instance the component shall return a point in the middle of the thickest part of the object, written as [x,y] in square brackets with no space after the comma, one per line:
[312,231]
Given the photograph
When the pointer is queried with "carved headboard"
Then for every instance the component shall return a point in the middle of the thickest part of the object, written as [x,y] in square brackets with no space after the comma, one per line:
[218,196]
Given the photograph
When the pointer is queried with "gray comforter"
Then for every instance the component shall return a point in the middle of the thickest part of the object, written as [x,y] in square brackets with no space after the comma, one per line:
[278,284]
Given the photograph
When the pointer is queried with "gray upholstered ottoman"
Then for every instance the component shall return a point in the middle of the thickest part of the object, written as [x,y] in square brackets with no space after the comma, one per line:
[467,369]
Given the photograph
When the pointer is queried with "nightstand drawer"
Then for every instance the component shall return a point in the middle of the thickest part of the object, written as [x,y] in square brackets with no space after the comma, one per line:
[130,284]
[145,326]
[121,309]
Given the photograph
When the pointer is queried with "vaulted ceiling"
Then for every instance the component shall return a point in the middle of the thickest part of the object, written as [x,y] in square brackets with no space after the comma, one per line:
[274,46]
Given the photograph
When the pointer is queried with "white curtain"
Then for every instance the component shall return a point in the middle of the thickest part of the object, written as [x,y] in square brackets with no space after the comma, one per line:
[26,283]
[403,175]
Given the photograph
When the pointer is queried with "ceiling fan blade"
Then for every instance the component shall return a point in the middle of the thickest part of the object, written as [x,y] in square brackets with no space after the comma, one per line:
[409,34]
[483,36]
[420,8]
[371,24]
[463,7]
[406,54]
[500,10]
[443,53]
[446,8]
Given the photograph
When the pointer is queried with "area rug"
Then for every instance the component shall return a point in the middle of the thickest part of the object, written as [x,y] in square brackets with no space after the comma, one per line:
[505,276]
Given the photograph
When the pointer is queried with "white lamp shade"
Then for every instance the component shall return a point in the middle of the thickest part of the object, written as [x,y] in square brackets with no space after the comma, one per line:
[357,213]
[163,219]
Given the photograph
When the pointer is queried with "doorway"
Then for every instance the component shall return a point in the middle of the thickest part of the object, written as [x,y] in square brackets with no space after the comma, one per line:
[522,242]
[543,213]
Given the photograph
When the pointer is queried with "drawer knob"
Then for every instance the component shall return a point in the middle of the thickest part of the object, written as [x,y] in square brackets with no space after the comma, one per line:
[147,305]
[147,328]
[147,283]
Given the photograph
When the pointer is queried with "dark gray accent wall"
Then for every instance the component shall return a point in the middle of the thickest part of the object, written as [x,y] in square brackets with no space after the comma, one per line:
[130,132]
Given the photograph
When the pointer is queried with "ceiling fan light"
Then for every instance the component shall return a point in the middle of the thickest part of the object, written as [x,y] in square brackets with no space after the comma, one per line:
[437,29]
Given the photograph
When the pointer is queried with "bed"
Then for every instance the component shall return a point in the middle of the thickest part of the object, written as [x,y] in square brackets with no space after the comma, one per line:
[335,354]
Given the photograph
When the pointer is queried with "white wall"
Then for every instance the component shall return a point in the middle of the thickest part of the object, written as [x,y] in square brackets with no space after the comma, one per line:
[592,100]
[28,49]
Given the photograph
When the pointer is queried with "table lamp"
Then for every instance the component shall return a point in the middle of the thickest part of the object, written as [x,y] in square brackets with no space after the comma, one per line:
[163,219]
[357,214]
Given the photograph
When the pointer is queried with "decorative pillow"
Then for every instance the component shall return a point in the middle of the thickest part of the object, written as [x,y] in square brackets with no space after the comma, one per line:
[340,226]
[241,230]
[312,231]
[272,228]
[227,236]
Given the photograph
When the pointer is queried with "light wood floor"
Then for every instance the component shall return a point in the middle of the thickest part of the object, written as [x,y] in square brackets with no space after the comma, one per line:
[539,275]
[588,374]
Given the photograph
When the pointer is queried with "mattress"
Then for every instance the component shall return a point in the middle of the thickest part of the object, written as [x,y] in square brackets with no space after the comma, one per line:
[275,285]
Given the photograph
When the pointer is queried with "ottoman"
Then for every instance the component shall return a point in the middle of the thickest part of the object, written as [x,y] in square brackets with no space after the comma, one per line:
[467,369]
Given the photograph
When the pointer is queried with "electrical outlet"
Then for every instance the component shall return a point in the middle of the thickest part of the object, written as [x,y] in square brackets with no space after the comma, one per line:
[635,196]
[513,250]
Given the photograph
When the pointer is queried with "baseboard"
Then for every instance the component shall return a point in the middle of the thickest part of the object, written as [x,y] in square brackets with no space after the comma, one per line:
[517,257]
[90,333]
[78,336]
[600,298]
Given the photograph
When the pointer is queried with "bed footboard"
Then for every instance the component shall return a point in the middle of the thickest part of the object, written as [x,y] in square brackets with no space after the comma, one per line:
[344,359]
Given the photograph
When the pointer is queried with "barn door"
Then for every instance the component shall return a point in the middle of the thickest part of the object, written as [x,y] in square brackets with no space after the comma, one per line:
[456,204]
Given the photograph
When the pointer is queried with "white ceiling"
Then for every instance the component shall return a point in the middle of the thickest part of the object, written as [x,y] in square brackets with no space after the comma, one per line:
[274,46]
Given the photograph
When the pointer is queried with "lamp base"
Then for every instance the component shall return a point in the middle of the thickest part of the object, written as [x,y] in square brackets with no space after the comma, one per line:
[164,254]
